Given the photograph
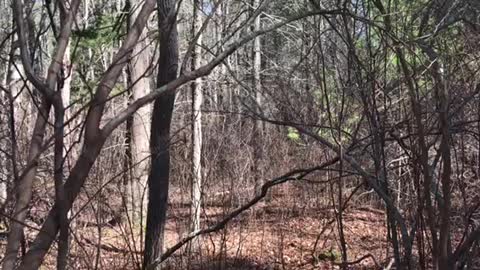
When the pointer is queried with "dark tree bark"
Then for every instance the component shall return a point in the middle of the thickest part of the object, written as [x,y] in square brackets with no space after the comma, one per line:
[160,133]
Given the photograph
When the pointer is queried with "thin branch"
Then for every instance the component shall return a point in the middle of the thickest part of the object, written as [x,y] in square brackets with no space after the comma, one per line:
[290,176]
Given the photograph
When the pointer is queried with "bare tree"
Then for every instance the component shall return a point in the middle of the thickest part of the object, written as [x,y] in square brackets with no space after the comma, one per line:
[24,186]
[93,138]
[258,127]
[158,179]
[138,72]
[197,99]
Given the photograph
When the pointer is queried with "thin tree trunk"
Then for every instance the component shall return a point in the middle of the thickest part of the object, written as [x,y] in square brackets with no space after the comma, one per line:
[197,99]
[63,141]
[18,103]
[4,159]
[70,134]
[158,179]
[257,87]
[19,91]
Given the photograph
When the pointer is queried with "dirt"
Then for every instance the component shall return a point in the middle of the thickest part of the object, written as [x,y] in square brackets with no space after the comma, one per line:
[274,235]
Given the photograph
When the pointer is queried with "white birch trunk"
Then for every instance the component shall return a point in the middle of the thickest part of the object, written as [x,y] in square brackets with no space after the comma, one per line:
[257,88]
[197,99]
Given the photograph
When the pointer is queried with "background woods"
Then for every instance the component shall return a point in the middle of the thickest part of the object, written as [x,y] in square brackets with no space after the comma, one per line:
[256,134]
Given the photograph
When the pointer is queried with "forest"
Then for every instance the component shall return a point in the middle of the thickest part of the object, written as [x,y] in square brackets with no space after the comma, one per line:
[240,134]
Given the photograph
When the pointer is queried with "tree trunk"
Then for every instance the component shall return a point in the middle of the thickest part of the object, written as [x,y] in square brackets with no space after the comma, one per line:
[19,105]
[257,141]
[158,179]
[139,85]
[197,99]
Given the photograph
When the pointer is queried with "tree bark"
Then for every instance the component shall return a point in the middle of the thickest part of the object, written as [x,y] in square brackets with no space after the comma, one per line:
[197,99]
[139,82]
[18,104]
[158,179]
[257,139]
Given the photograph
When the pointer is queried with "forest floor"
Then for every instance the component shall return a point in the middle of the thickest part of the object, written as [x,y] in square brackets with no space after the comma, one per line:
[279,234]
[274,240]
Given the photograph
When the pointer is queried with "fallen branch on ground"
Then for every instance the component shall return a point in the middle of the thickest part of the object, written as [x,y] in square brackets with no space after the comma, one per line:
[290,176]
[343,264]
